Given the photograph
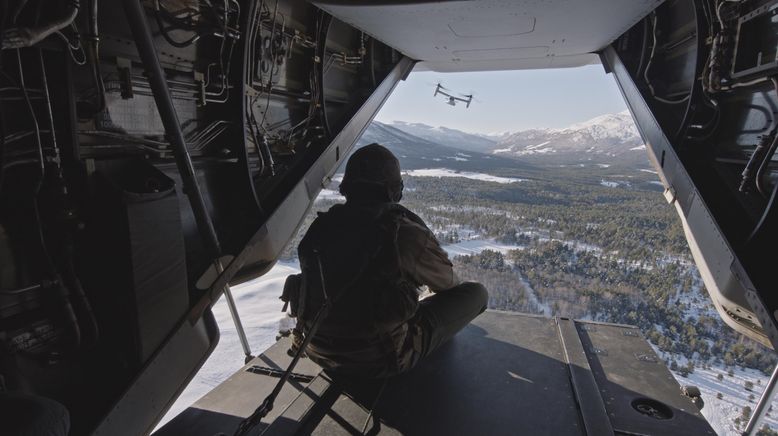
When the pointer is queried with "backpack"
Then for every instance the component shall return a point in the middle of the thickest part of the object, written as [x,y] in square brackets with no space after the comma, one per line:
[351,256]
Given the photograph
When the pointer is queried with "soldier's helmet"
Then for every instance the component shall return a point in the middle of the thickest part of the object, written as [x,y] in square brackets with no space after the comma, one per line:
[372,172]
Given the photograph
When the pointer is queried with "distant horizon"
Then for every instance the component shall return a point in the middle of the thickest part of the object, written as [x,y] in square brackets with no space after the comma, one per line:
[492,134]
[559,97]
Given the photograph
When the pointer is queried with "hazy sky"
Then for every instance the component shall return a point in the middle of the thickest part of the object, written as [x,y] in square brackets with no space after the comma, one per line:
[506,100]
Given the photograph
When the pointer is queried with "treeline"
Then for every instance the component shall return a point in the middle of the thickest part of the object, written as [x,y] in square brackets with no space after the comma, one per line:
[634,224]
[505,290]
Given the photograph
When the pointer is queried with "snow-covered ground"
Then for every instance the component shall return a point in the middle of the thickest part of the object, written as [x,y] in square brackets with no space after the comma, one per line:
[532,297]
[445,172]
[260,312]
[475,246]
[616,183]
[721,413]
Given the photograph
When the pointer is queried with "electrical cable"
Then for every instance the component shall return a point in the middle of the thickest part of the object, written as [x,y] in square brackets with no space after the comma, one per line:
[759,156]
[164,32]
[92,55]
[19,291]
[61,292]
[764,165]
[49,112]
[72,49]
[4,6]
[19,37]
[648,66]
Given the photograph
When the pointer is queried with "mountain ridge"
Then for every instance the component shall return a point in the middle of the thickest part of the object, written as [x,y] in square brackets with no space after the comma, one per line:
[415,152]
[605,139]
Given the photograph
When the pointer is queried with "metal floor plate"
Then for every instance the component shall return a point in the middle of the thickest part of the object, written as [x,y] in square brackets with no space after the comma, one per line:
[505,373]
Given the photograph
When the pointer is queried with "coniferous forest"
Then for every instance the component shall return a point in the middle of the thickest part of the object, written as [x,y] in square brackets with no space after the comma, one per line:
[572,245]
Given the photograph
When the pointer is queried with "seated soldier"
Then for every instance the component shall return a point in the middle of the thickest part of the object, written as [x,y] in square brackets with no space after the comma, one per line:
[370,256]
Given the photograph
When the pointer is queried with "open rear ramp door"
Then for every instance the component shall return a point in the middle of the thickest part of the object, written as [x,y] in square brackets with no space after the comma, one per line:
[506,373]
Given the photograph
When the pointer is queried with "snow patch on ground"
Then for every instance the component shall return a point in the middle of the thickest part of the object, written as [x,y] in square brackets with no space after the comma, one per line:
[475,246]
[532,147]
[532,297]
[445,172]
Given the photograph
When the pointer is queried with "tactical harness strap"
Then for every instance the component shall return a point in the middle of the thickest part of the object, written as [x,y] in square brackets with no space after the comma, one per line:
[267,405]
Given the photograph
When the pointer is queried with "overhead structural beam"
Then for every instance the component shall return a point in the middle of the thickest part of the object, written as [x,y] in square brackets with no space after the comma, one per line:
[136,18]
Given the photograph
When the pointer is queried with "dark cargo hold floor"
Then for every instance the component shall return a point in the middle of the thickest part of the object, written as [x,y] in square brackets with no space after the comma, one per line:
[506,373]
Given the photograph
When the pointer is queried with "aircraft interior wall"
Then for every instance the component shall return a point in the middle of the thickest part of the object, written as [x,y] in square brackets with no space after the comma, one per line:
[105,254]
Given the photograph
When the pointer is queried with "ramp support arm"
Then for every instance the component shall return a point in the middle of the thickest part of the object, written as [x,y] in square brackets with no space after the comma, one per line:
[136,18]
[762,406]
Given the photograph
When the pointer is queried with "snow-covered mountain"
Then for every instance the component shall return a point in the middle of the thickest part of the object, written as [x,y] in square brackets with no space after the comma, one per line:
[415,152]
[607,138]
[449,137]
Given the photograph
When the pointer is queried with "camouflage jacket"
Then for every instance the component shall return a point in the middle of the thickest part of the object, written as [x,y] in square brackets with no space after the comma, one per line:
[373,261]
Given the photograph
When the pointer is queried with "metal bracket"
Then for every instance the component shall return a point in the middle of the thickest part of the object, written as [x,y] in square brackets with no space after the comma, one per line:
[670,195]
[645,358]
[200,80]
[124,66]
[275,372]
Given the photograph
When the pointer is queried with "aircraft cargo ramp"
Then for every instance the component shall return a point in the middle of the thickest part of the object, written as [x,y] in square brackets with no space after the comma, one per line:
[506,373]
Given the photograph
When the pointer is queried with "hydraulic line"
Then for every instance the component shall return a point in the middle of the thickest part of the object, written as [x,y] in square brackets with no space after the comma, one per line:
[92,55]
[18,37]
[60,291]
[648,66]
[762,155]
[768,157]
[136,19]
[82,309]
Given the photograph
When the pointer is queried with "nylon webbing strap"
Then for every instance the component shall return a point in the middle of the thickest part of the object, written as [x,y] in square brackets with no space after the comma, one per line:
[267,405]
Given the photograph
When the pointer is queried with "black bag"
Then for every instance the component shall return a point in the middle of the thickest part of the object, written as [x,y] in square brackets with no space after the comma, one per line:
[291,295]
